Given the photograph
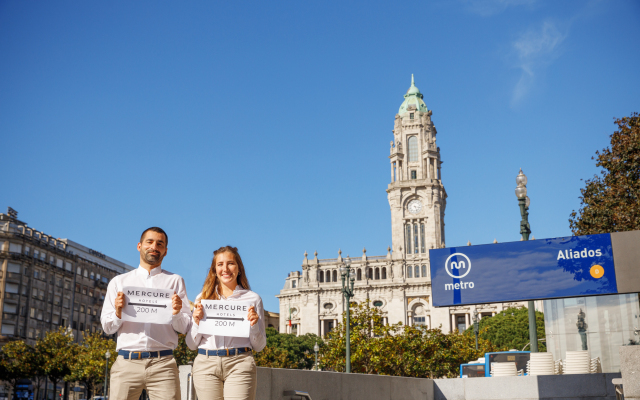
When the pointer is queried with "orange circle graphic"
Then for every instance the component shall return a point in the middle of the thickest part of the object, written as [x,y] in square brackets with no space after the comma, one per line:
[597,271]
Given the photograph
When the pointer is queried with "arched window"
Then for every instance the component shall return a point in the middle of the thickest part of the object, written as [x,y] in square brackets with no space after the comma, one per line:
[409,271]
[359,273]
[335,277]
[384,273]
[408,239]
[417,272]
[413,148]
[370,274]
[422,238]
[328,276]
[415,238]
[424,272]
[377,273]
[320,276]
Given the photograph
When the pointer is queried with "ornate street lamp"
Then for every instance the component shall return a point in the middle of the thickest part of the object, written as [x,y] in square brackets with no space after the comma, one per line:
[475,326]
[525,230]
[348,279]
[316,348]
[107,355]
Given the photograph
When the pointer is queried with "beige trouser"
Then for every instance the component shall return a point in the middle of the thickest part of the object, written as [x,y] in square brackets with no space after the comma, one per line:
[159,376]
[228,378]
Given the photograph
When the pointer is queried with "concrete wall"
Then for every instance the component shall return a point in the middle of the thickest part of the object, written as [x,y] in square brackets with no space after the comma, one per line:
[630,366]
[548,387]
[273,382]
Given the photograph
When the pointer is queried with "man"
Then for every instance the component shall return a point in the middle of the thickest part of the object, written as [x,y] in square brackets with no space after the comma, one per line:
[145,351]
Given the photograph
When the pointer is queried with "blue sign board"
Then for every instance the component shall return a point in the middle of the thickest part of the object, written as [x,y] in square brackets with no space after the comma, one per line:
[527,270]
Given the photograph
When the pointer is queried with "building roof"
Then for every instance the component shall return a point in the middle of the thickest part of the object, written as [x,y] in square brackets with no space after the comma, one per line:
[413,98]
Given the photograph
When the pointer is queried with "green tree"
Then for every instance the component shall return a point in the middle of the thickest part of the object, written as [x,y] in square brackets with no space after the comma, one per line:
[57,351]
[611,202]
[506,331]
[18,361]
[182,353]
[89,364]
[398,350]
[285,350]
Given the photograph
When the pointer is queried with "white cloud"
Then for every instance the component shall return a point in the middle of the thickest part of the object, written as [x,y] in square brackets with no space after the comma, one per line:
[487,8]
[534,50]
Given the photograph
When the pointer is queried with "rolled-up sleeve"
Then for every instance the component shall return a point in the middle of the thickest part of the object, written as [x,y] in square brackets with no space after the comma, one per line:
[108,318]
[182,320]
[258,335]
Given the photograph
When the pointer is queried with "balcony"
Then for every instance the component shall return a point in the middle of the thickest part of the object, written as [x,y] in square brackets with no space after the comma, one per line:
[9,317]
[12,297]
[13,277]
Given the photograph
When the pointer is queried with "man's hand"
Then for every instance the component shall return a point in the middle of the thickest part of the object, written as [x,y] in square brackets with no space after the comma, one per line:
[119,304]
[176,303]
[198,313]
[253,316]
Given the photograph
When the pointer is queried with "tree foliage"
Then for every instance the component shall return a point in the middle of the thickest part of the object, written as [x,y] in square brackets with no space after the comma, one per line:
[18,361]
[58,351]
[506,331]
[182,353]
[398,350]
[88,366]
[611,202]
[285,350]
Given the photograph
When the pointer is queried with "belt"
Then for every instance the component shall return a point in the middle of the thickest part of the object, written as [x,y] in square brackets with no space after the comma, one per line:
[224,352]
[139,355]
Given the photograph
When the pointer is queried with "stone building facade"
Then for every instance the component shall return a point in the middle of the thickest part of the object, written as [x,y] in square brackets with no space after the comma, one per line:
[46,282]
[399,283]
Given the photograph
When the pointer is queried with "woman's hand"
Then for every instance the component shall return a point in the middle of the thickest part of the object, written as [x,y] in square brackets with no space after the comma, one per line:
[198,313]
[253,316]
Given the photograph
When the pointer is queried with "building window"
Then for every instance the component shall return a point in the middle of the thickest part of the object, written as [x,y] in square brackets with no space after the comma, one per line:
[327,306]
[328,276]
[32,312]
[293,285]
[422,237]
[377,273]
[424,271]
[461,324]
[413,149]
[416,269]
[414,174]
[415,238]
[36,274]
[335,276]
[30,333]
[408,239]
[411,115]
[384,273]
[321,276]
[82,308]
[34,292]
[78,288]
[67,284]
[84,290]
[419,321]
[409,271]
[65,303]
[86,273]
[378,303]
[370,273]
[359,274]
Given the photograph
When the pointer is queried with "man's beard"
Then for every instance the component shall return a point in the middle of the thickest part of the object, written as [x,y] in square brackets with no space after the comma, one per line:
[153,258]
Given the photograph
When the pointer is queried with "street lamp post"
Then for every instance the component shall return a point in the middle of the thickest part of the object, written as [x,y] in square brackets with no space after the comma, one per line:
[107,355]
[315,350]
[348,279]
[475,326]
[525,230]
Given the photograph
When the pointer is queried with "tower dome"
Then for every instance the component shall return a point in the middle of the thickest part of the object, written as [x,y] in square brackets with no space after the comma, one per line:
[412,98]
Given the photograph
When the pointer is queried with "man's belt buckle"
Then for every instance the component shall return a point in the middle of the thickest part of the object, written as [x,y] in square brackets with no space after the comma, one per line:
[139,353]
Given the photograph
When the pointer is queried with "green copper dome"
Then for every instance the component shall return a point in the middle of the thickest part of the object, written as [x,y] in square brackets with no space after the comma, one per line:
[413,98]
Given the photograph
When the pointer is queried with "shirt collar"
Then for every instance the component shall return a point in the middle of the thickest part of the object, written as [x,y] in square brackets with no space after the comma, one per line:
[236,292]
[143,272]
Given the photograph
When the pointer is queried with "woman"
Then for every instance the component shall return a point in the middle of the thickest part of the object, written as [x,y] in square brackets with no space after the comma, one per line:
[216,375]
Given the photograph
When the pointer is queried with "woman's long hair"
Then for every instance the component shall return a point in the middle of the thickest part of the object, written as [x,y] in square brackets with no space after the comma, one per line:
[210,287]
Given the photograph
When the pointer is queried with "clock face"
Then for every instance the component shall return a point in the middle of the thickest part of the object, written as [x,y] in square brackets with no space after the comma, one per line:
[414,206]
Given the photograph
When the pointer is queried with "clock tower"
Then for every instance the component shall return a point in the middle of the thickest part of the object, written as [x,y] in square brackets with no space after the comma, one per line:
[416,195]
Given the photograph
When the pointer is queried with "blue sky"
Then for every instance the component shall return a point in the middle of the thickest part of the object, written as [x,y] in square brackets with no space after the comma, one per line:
[267,125]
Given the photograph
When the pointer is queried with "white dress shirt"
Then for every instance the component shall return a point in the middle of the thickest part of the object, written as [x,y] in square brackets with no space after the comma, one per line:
[136,336]
[257,338]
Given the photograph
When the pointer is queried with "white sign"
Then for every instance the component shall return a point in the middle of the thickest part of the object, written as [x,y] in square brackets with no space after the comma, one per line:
[225,318]
[147,305]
